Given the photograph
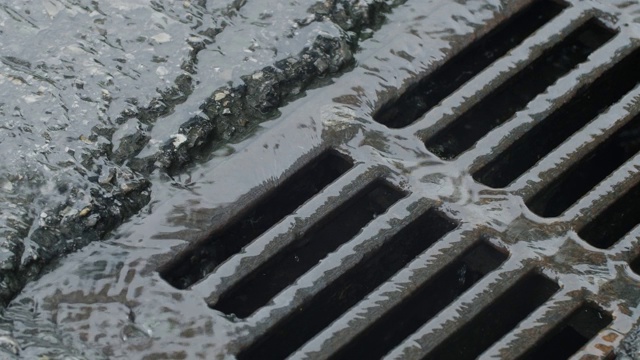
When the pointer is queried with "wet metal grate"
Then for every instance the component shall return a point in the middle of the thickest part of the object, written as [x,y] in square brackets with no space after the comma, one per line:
[255,220]
[486,208]
[495,321]
[513,95]
[571,334]
[352,287]
[468,63]
[589,102]
[424,303]
[339,227]
[594,167]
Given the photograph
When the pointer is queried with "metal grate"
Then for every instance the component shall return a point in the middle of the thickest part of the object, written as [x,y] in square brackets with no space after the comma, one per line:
[486,208]
[513,95]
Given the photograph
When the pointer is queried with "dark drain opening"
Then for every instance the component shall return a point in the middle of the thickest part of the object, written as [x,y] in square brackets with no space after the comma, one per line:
[582,176]
[514,94]
[465,65]
[424,303]
[570,335]
[635,265]
[614,222]
[498,319]
[283,269]
[351,287]
[195,263]
[588,102]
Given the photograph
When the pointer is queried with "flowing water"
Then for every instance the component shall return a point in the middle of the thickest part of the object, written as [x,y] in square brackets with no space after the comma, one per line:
[130,127]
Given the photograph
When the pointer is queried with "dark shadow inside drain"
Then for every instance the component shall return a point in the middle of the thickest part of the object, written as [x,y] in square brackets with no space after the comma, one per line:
[497,319]
[351,287]
[515,93]
[635,265]
[570,335]
[423,303]
[283,269]
[588,102]
[615,221]
[563,191]
[196,262]
[443,81]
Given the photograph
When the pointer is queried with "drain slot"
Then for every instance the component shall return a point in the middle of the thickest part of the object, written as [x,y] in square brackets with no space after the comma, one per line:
[351,287]
[194,264]
[562,123]
[497,319]
[614,222]
[635,265]
[283,269]
[513,95]
[594,167]
[465,65]
[424,303]
[571,335]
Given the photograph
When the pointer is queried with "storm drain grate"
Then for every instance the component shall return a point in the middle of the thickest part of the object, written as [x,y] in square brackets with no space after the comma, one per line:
[488,210]
[281,270]
[196,263]
[571,334]
[355,284]
[498,319]
[468,63]
[556,128]
[424,303]
[594,167]
[513,95]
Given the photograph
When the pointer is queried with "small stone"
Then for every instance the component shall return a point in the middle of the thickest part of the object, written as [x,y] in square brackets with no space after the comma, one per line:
[257,76]
[10,344]
[321,65]
[107,177]
[162,71]
[127,187]
[226,111]
[161,37]
[7,186]
[92,220]
[219,96]
[178,139]
[86,140]
[106,95]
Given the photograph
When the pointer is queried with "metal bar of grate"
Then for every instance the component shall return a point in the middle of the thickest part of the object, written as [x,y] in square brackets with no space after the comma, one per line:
[423,303]
[286,232]
[613,223]
[339,227]
[576,181]
[466,64]
[513,95]
[496,320]
[351,287]
[585,105]
[571,334]
[194,264]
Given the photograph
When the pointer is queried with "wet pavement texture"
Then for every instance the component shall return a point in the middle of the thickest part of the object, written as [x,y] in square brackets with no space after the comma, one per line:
[152,126]
[99,98]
